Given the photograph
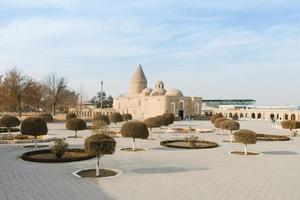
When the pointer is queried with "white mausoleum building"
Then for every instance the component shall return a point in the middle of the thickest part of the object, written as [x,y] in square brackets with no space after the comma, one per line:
[143,102]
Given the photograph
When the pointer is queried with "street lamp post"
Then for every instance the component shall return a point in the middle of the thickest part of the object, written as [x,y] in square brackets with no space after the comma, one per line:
[101,96]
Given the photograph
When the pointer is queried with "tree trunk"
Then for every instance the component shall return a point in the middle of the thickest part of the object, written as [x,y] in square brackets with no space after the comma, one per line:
[245,149]
[35,142]
[8,130]
[76,134]
[54,109]
[291,132]
[150,133]
[97,166]
[231,138]
[133,145]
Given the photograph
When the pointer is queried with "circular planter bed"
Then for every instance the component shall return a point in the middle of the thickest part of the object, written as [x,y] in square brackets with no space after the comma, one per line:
[242,153]
[38,146]
[130,149]
[267,137]
[73,137]
[46,156]
[91,173]
[183,144]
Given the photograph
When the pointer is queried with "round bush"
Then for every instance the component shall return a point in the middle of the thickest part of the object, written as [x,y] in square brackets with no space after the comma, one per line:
[115,117]
[76,124]
[71,116]
[34,126]
[153,122]
[170,117]
[127,117]
[46,117]
[100,144]
[161,120]
[100,121]
[9,121]
[245,137]
[230,125]
[216,116]
[217,122]
[135,129]
[290,124]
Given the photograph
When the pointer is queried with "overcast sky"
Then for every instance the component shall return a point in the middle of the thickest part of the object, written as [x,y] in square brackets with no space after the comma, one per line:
[209,48]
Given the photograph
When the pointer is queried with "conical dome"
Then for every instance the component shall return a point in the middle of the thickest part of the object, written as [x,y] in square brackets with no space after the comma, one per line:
[138,81]
[139,75]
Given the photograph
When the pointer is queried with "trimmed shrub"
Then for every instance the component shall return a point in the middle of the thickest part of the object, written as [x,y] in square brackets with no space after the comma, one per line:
[46,117]
[291,125]
[153,122]
[170,117]
[127,117]
[216,116]
[230,125]
[34,126]
[76,125]
[99,144]
[71,116]
[60,147]
[135,129]
[245,137]
[100,122]
[161,120]
[115,117]
[217,122]
[8,122]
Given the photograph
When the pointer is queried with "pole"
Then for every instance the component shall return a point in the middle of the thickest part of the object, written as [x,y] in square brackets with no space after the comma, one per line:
[101,97]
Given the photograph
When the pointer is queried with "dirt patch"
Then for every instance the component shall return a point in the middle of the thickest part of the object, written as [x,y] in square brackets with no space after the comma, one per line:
[46,156]
[199,144]
[91,173]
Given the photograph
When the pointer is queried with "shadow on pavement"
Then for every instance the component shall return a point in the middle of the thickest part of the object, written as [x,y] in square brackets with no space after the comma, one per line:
[164,170]
[284,153]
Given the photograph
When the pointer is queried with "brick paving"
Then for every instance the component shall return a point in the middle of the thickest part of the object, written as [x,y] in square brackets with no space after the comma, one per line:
[161,173]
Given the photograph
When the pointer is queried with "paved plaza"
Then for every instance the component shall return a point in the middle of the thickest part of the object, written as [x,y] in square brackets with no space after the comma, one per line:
[160,172]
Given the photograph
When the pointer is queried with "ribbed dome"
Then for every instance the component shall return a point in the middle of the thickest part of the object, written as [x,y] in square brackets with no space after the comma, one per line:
[159,84]
[146,92]
[158,92]
[174,93]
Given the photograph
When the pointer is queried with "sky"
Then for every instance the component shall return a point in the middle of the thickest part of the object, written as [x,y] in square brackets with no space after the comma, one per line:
[210,48]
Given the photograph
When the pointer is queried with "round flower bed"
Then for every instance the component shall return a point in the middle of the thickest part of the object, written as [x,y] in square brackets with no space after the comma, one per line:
[184,144]
[131,150]
[267,137]
[46,156]
[91,173]
[242,153]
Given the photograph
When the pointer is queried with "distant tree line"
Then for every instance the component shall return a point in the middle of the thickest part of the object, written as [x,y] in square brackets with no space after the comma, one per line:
[21,93]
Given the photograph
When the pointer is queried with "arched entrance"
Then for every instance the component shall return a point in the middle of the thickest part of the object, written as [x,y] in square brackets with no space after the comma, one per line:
[241,115]
[253,116]
[259,116]
[293,117]
[286,116]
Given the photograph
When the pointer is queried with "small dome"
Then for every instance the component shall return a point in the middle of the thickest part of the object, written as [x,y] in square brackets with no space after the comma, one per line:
[174,93]
[158,92]
[146,92]
[159,85]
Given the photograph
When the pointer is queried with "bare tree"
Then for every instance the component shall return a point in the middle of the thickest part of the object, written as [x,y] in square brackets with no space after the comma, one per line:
[14,84]
[55,86]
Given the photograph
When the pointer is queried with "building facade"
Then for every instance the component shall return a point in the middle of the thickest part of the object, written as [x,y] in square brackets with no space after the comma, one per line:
[143,102]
